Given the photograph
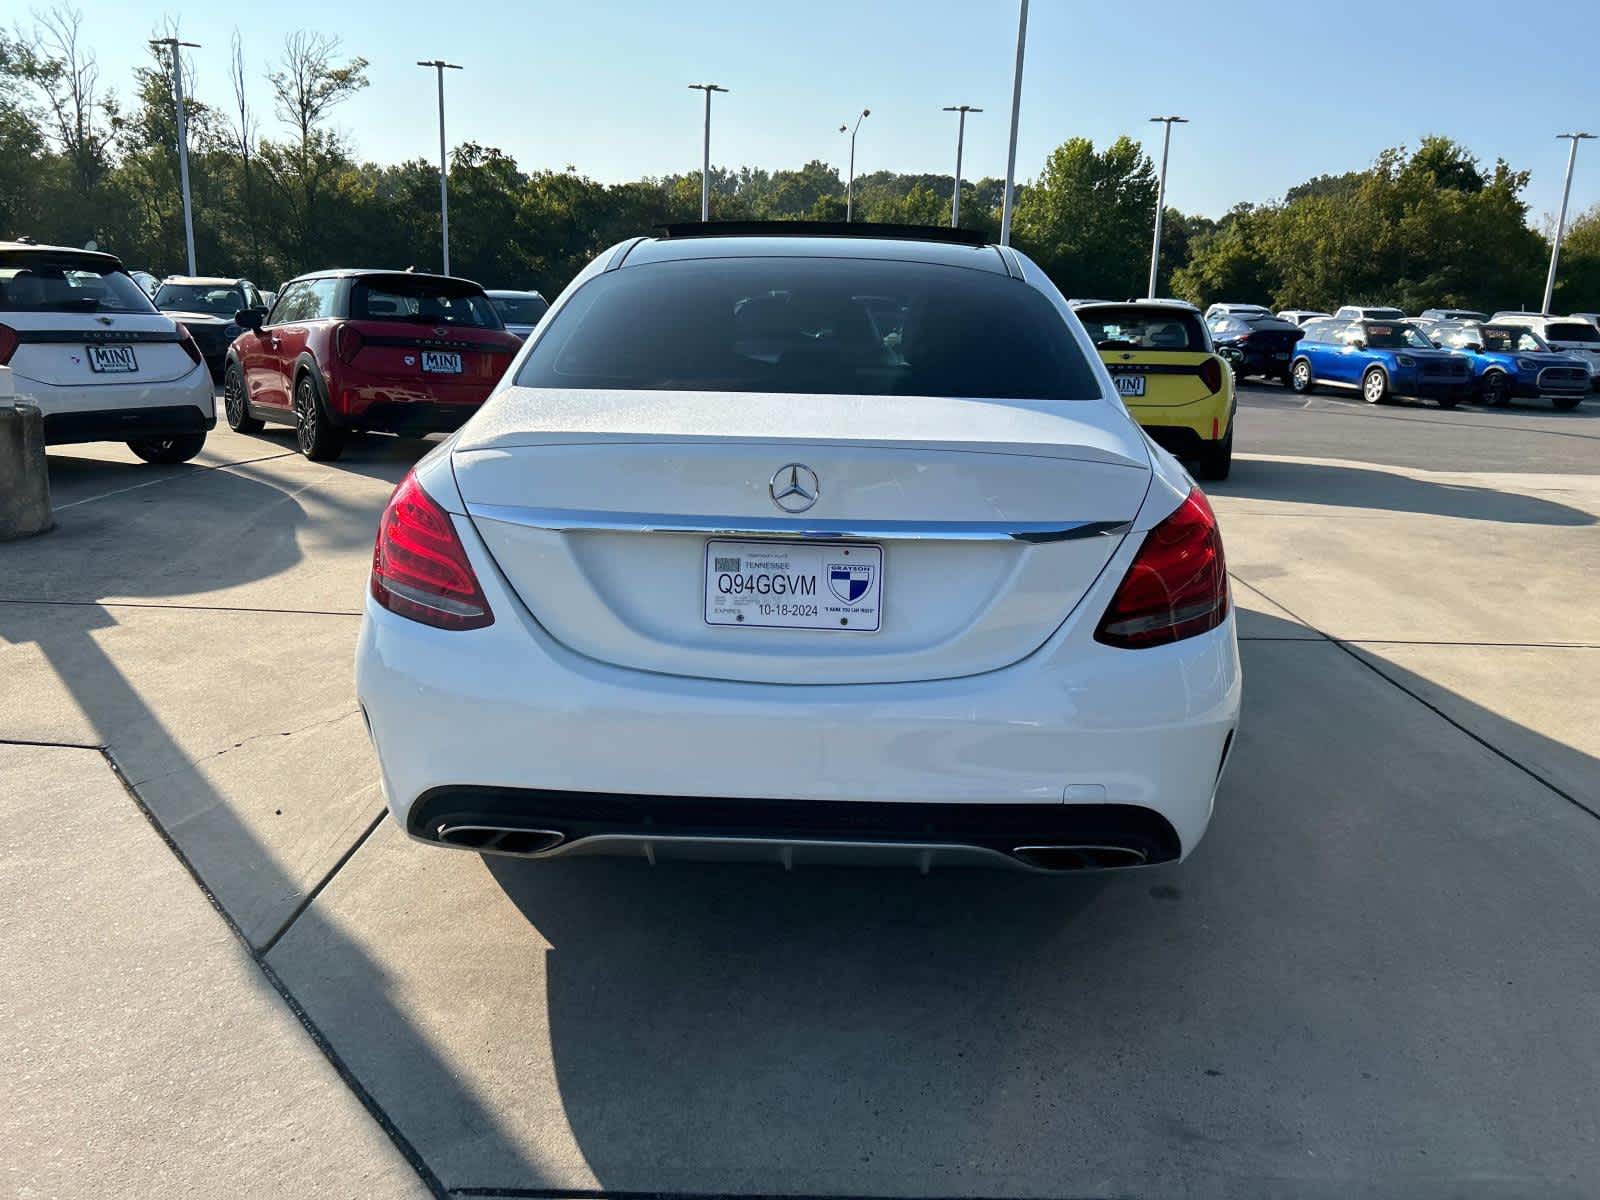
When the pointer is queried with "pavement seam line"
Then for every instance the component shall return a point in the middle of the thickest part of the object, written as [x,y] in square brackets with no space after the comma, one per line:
[243,742]
[544,1193]
[288,612]
[398,1139]
[311,896]
[9,741]
[1350,649]
[169,479]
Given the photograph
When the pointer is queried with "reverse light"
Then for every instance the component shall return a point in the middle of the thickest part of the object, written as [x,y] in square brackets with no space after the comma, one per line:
[1211,374]
[1177,586]
[420,568]
[8,344]
[186,340]
[347,343]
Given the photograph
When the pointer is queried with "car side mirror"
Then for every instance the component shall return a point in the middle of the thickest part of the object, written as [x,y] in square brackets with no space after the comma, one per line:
[250,318]
[1475,347]
[1358,343]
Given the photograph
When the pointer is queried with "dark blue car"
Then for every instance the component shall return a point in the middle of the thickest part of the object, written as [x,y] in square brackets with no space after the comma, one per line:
[1380,359]
[1510,361]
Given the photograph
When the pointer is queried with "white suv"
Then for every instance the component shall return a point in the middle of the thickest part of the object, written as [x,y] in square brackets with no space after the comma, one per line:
[86,345]
[1369,312]
[1575,336]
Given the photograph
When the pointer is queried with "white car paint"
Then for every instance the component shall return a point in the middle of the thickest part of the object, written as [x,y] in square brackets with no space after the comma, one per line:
[1586,352]
[985,687]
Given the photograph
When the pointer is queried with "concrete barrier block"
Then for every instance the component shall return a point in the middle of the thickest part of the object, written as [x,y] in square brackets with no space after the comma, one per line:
[24,473]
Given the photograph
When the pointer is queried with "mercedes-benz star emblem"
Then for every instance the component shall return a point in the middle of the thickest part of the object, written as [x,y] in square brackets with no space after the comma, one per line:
[794,487]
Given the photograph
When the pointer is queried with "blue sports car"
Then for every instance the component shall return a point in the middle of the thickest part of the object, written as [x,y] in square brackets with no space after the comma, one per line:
[1509,361]
[1381,359]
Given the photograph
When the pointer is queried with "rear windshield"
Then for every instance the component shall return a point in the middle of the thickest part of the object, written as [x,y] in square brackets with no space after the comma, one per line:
[1133,328]
[520,310]
[1572,331]
[218,300]
[840,326]
[422,301]
[44,283]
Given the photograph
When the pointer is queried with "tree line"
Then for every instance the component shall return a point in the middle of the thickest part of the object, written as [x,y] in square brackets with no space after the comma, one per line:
[79,162]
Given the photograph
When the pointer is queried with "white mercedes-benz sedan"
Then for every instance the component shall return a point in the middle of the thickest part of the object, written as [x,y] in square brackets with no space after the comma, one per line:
[803,545]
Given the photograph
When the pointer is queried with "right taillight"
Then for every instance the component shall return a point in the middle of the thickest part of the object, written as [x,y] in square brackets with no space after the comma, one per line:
[347,343]
[1211,371]
[8,344]
[420,568]
[1177,586]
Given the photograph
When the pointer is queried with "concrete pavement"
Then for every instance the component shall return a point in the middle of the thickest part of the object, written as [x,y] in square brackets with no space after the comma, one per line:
[1376,974]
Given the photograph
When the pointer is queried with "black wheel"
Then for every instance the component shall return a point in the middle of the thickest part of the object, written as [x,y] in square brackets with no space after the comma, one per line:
[1495,389]
[168,450]
[1566,403]
[1215,461]
[318,437]
[1375,386]
[1300,377]
[233,403]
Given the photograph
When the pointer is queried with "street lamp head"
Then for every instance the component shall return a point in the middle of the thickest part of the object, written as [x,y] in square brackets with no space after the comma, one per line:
[1577,137]
[844,129]
[1171,120]
[438,63]
[866,112]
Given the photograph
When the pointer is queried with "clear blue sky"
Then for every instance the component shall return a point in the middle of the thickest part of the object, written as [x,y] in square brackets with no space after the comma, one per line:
[1276,92]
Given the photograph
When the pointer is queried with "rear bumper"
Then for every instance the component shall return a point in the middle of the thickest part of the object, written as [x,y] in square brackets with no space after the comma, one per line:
[1178,440]
[121,425]
[506,722]
[398,416]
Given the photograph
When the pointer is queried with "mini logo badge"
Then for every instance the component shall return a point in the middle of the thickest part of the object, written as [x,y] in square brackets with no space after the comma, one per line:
[849,581]
[794,487]
[411,360]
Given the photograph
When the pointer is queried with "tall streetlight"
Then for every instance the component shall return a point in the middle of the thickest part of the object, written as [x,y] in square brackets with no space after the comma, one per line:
[1016,111]
[1161,196]
[850,187]
[173,44]
[439,65]
[705,161]
[961,135]
[1561,221]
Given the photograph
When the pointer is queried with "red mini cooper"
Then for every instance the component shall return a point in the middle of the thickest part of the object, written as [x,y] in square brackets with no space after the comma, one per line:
[350,350]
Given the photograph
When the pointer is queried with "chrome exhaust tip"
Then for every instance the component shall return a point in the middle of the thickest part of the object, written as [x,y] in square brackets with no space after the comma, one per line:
[1080,858]
[499,839]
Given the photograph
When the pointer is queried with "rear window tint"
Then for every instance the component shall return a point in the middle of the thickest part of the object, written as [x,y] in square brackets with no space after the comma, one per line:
[422,301]
[1571,331]
[520,310]
[840,326]
[1129,327]
[32,282]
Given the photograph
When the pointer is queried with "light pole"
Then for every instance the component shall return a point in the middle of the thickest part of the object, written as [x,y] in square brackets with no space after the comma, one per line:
[1016,112]
[850,187]
[439,65]
[961,135]
[705,160]
[1161,196]
[173,44]
[1561,221]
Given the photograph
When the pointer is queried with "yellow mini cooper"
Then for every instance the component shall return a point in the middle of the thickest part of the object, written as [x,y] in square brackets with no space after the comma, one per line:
[1160,357]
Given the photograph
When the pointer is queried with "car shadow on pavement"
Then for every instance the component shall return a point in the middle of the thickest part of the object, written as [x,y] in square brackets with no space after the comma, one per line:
[719,1029]
[1361,487]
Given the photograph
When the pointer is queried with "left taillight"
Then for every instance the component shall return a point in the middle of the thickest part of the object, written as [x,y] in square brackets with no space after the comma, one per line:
[1177,586]
[420,569]
[8,344]
[347,343]
[186,340]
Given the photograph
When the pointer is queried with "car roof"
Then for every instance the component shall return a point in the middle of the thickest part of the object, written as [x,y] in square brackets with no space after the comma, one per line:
[344,272]
[77,251]
[648,251]
[205,280]
[513,294]
[1178,305]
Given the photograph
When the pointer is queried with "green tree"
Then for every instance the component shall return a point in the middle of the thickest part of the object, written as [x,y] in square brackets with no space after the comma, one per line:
[1578,278]
[1088,218]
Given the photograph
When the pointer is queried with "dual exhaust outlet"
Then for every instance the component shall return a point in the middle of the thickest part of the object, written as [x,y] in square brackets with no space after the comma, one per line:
[536,843]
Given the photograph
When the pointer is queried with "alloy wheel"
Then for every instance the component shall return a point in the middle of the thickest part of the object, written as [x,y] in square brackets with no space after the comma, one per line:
[305,417]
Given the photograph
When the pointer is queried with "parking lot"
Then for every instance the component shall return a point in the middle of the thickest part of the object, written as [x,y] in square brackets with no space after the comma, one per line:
[227,970]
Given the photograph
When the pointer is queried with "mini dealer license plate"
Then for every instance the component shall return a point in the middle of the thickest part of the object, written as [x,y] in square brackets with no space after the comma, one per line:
[794,585]
[1130,385]
[437,363]
[105,359]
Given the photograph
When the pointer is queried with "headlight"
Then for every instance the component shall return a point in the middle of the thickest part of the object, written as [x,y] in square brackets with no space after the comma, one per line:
[1527,364]
[1405,360]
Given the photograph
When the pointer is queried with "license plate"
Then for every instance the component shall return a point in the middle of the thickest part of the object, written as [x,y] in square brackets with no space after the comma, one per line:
[794,585]
[112,358]
[1129,385]
[437,362]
